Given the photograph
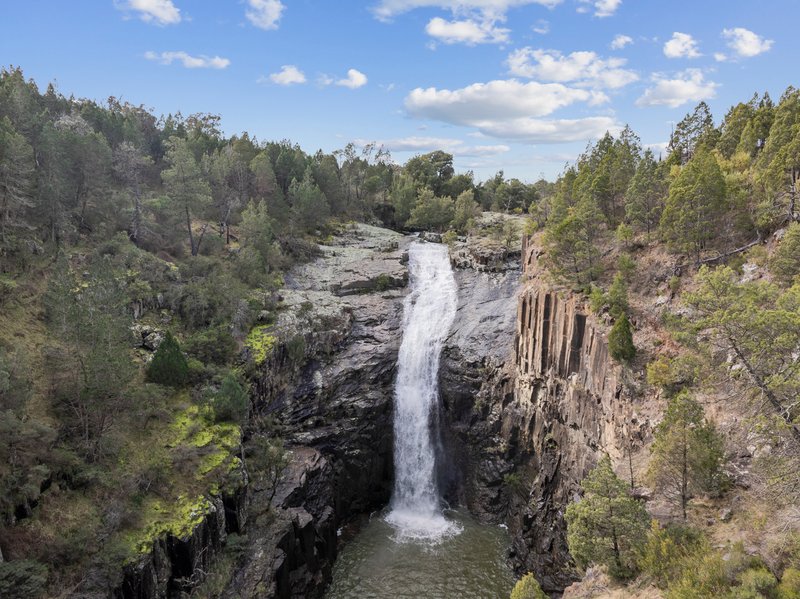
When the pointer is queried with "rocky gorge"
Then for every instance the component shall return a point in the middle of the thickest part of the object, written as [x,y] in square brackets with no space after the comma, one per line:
[530,398]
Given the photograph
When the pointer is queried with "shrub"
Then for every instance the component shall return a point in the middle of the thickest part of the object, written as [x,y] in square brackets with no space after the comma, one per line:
[620,340]
[215,345]
[785,262]
[789,587]
[527,588]
[23,579]
[169,366]
[667,550]
[231,401]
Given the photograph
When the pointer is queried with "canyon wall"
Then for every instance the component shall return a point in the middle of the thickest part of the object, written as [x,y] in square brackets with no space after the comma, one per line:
[531,426]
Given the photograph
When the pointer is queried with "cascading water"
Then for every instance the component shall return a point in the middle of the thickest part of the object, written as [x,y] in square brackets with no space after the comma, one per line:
[429,311]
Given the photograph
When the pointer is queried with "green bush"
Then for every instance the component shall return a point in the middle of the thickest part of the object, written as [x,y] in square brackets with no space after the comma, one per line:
[213,345]
[168,366]
[789,587]
[666,552]
[231,401]
[620,340]
[22,579]
[785,262]
[527,588]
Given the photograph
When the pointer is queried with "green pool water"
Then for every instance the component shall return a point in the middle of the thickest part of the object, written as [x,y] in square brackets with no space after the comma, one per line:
[467,565]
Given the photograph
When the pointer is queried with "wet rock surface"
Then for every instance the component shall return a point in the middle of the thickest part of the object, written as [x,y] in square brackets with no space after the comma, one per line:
[333,408]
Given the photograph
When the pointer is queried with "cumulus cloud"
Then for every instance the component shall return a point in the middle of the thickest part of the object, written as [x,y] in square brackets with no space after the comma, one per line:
[288,75]
[688,86]
[542,27]
[387,9]
[584,69]
[681,45]
[510,109]
[456,147]
[745,43]
[264,14]
[602,8]
[620,41]
[160,12]
[466,31]
[189,61]
[354,79]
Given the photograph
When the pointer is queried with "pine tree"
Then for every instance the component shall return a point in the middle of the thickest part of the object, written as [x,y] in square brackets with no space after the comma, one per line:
[607,526]
[696,200]
[527,587]
[785,262]
[686,454]
[644,199]
[620,340]
[168,366]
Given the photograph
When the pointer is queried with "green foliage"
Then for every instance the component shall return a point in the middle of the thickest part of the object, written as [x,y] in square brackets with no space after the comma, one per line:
[571,241]
[23,579]
[213,345]
[668,550]
[431,213]
[231,401]
[687,453]
[606,526]
[696,201]
[785,262]
[309,204]
[465,212]
[527,587]
[673,374]
[789,586]
[618,296]
[626,266]
[620,340]
[168,366]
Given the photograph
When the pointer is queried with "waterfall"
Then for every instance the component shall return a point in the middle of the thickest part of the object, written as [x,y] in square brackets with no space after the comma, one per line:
[429,311]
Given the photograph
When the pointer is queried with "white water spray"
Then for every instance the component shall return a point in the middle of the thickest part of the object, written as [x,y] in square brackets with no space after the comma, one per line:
[429,311]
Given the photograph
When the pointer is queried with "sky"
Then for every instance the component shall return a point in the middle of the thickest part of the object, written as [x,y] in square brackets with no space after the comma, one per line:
[515,85]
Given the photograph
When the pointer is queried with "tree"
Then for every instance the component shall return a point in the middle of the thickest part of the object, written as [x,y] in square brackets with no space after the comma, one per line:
[607,526]
[513,195]
[644,198]
[91,365]
[433,171]
[527,587]
[431,213]
[785,262]
[186,187]
[22,579]
[129,166]
[686,454]
[696,201]
[620,340]
[465,212]
[404,198]
[168,366]
[695,130]
[571,242]
[16,177]
[618,296]
[231,400]
[309,205]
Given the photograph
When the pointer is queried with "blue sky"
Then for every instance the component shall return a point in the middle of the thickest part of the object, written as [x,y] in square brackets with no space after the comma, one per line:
[518,85]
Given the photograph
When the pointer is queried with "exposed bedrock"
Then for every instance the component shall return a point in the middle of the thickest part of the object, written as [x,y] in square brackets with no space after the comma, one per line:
[530,402]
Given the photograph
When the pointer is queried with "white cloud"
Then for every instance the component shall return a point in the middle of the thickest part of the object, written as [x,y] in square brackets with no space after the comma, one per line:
[542,27]
[467,31]
[584,69]
[689,86]
[456,147]
[264,14]
[681,45]
[720,57]
[509,109]
[620,41]
[354,79]
[602,8]
[288,75]
[189,61]
[160,12]
[745,43]
[386,9]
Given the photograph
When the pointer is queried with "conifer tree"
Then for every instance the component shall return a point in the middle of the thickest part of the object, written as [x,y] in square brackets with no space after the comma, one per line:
[169,366]
[620,340]
[687,453]
[607,526]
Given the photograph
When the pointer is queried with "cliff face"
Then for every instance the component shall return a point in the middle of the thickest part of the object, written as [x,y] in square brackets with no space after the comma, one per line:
[531,426]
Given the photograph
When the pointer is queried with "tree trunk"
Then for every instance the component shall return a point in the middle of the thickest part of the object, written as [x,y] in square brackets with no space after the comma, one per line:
[191,235]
